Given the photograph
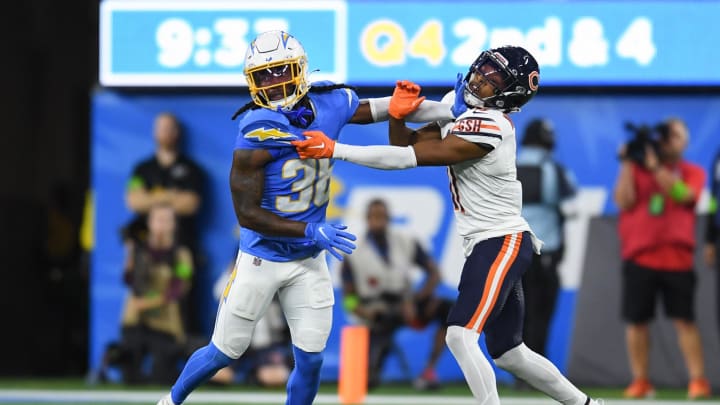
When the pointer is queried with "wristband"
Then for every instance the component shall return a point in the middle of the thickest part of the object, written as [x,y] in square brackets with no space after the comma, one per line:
[183,270]
[713,206]
[135,183]
[679,191]
[656,204]
[350,302]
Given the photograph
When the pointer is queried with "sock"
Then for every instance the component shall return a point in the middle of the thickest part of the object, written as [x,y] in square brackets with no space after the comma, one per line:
[202,365]
[463,344]
[539,372]
[304,380]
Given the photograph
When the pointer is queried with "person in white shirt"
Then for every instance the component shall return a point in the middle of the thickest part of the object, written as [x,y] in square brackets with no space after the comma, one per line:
[379,292]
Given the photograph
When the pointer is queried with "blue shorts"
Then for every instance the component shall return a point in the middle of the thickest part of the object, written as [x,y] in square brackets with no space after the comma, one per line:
[490,296]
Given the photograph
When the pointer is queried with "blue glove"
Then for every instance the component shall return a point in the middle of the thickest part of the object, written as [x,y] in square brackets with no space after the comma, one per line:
[459,106]
[331,237]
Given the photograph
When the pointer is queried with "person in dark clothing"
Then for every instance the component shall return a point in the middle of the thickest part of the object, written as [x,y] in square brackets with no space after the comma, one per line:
[168,177]
[158,273]
[546,185]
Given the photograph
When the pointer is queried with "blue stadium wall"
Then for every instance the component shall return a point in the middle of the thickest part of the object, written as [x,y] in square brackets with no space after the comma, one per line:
[589,130]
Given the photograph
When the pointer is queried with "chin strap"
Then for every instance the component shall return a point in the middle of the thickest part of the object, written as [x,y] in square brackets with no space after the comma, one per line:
[299,116]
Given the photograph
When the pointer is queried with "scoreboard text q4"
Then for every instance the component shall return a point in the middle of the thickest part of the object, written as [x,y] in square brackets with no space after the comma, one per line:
[189,43]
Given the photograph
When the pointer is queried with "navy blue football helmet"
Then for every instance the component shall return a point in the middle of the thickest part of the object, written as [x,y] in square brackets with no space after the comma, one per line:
[520,75]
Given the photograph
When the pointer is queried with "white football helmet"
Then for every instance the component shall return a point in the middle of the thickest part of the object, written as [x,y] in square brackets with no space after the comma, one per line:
[276,70]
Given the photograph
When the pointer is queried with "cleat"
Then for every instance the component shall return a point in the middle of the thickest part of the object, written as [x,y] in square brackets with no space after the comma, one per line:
[640,388]
[699,388]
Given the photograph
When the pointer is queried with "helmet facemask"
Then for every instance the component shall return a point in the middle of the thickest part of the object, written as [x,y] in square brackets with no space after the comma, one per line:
[276,70]
[279,84]
[508,95]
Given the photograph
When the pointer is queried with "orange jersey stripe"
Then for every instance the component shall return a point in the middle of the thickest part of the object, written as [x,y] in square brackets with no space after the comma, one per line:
[505,270]
[488,126]
[491,275]
[492,286]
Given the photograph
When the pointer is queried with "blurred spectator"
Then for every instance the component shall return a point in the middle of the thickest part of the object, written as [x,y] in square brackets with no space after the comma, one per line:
[158,273]
[377,289]
[656,192]
[712,234]
[546,185]
[268,360]
[168,177]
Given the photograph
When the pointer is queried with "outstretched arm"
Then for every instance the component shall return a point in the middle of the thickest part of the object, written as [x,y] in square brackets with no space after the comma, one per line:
[376,110]
[404,102]
[448,151]
[401,135]
[416,109]
[431,150]
[435,152]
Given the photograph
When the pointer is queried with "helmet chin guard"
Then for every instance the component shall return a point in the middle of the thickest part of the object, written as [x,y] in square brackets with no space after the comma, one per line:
[471,99]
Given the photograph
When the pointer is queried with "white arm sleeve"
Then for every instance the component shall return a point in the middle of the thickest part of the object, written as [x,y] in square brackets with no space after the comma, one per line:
[378,156]
[428,111]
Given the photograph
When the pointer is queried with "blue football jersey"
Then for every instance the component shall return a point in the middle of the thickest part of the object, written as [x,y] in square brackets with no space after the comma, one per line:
[294,188]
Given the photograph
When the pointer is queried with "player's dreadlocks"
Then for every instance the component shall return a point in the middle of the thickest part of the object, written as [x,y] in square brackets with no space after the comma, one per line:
[313,89]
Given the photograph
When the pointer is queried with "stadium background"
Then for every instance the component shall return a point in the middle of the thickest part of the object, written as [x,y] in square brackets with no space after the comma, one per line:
[65,135]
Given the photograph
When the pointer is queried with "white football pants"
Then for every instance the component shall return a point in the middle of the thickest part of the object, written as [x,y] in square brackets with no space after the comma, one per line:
[306,296]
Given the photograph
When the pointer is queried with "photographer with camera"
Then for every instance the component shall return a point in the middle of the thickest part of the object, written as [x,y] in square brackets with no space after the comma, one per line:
[158,273]
[656,192]
[377,290]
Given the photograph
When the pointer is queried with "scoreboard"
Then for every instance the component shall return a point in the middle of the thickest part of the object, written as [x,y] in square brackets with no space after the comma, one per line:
[189,43]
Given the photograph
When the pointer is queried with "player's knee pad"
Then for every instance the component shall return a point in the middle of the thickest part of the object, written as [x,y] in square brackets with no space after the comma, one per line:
[454,337]
[311,340]
[514,360]
[233,345]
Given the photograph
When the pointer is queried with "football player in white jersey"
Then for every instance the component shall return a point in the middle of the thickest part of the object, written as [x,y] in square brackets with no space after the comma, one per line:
[478,147]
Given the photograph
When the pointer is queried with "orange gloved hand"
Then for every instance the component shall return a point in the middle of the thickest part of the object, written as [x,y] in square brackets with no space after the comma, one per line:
[404,99]
[316,146]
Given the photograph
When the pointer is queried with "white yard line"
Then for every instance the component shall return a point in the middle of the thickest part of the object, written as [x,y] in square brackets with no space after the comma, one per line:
[150,397]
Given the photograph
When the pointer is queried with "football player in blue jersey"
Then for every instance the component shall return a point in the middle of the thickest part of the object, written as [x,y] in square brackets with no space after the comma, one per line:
[280,202]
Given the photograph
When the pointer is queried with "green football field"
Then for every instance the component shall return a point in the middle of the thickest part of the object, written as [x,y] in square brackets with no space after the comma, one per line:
[75,391]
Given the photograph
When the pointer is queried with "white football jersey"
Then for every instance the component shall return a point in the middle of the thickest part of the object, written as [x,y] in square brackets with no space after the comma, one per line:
[486,193]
